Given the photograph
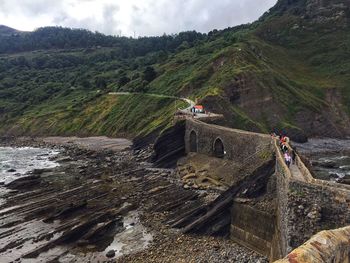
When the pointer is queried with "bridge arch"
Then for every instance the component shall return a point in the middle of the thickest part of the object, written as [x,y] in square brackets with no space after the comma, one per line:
[193,141]
[218,148]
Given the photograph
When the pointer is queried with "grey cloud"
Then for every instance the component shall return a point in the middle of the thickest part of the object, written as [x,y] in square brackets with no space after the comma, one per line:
[200,15]
[149,17]
[109,24]
[29,7]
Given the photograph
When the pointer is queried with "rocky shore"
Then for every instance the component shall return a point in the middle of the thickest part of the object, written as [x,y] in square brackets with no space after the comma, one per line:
[327,158]
[104,203]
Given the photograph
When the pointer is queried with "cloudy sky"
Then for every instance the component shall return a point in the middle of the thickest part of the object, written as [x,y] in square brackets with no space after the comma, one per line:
[129,17]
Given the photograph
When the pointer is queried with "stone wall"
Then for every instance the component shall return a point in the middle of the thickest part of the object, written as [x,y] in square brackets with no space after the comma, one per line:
[327,246]
[313,208]
[238,145]
[252,228]
[280,243]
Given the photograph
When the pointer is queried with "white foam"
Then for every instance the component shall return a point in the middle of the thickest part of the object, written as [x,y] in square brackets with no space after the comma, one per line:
[24,160]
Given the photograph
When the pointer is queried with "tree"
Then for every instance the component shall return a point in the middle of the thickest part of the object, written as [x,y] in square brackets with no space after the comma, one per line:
[123,80]
[86,84]
[101,83]
[149,74]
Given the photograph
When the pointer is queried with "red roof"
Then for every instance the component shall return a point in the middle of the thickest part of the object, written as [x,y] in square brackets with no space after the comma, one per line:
[199,107]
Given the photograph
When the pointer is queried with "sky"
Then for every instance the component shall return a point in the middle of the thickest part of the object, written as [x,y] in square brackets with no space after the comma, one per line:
[132,17]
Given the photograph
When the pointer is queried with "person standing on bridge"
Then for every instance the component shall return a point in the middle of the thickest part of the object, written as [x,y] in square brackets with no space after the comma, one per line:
[284,147]
[287,158]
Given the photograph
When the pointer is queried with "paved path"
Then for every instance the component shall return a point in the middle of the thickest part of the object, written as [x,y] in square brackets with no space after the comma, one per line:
[190,102]
[296,173]
[186,110]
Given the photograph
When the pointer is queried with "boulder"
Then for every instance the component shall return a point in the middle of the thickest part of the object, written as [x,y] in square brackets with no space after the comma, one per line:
[110,254]
[296,135]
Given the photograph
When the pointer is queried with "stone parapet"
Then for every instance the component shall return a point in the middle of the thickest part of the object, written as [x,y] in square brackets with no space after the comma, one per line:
[327,246]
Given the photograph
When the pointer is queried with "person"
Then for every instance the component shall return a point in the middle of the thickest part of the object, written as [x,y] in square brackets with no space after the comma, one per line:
[287,158]
[281,139]
[273,135]
[286,139]
[284,147]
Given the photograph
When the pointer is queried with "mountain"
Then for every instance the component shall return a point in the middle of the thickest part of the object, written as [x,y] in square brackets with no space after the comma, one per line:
[289,70]
[8,31]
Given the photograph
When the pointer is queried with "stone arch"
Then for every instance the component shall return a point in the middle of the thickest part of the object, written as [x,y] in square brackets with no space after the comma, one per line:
[219,149]
[193,141]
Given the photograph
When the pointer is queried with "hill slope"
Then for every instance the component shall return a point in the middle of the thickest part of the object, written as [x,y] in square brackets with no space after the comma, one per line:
[6,31]
[289,70]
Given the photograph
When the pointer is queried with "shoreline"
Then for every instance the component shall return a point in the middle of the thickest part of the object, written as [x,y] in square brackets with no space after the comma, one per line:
[94,191]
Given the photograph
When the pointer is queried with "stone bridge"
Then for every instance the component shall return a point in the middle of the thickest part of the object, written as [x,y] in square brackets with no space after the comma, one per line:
[304,205]
[222,142]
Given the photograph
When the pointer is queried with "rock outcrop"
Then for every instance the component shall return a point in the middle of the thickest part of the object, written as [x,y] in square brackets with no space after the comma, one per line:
[317,11]
[170,146]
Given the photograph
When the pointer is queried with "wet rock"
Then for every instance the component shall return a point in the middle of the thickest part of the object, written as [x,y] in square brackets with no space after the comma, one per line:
[63,159]
[328,164]
[344,181]
[24,182]
[110,254]
[40,171]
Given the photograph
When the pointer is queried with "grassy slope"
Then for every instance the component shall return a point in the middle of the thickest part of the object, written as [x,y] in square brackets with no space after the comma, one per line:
[111,115]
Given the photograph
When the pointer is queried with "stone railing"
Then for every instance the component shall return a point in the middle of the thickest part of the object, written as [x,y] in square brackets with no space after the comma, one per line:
[327,246]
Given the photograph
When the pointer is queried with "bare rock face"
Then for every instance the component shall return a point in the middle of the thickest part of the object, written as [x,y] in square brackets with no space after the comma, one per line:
[323,12]
[318,11]
[170,146]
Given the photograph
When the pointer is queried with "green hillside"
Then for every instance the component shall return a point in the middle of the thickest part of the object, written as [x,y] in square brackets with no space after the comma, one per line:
[288,70]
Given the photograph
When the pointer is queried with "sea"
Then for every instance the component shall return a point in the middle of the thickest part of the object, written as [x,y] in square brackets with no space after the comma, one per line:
[330,158]
[17,162]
